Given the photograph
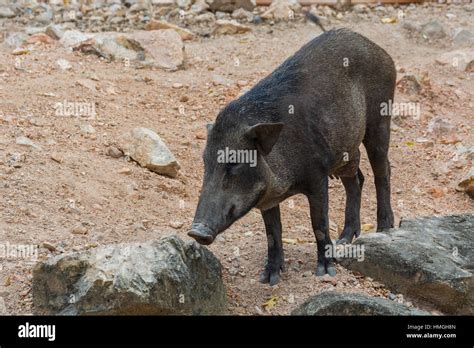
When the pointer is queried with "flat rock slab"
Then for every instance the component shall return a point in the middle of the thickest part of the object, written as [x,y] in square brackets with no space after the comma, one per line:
[161,277]
[431,259]
[335,303]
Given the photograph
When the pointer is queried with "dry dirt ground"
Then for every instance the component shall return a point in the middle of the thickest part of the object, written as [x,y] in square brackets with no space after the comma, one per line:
[71,180]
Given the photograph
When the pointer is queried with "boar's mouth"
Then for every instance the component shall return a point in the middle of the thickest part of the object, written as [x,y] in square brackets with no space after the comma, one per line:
[202,234]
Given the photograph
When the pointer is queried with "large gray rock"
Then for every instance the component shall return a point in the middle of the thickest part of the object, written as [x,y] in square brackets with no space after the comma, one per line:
[335,303]
[147,148]
[161,277]
[429,258]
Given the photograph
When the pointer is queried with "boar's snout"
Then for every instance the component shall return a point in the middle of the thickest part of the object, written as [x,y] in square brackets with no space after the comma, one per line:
[201,233]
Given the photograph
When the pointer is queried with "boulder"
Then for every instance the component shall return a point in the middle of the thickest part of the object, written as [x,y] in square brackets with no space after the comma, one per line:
[162,277]
[147,148]
[335,303]
[430,259]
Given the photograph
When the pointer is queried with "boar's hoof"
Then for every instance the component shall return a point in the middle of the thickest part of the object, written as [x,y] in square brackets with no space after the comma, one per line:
[343,240]
[325,266]
[271,274]
[347,235]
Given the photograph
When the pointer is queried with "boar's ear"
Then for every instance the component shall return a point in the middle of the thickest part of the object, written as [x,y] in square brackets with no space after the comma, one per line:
[209,127]
[265,135]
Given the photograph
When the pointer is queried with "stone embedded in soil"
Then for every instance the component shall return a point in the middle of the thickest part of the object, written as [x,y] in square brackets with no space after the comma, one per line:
[231,5]
[147,148]
[6,12]
[281,10]
[63,64]
[15,39]
[462,59]
[242,14]
[114,152]
[409,84]
[463,37]
[428,258]
[467,183]
[433,31]
[229,27]
[162,277]
[3,307]
[24,141]
[183,32]
[72,38]
[54,31]
[120,48]
[336,303]
[164,47]
[199,6]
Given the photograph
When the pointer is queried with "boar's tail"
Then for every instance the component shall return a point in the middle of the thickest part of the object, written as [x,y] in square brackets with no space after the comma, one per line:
[315,19]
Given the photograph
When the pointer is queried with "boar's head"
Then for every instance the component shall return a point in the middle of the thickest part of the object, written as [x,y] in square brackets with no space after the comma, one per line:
[236,175]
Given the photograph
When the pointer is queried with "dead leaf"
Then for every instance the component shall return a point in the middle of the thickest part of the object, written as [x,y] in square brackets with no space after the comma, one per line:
[271,302]
[389,20]
[436,192]
[289,241]
[367,227]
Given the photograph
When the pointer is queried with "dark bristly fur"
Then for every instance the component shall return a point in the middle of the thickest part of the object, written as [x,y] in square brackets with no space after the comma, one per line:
[306,120]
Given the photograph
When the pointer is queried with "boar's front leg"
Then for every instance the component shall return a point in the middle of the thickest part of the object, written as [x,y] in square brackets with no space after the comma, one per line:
[318,205]
[271,273]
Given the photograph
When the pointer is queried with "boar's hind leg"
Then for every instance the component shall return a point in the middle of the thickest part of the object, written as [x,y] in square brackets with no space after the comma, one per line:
[271,273]
[353,186]
[376,142]
[318,205]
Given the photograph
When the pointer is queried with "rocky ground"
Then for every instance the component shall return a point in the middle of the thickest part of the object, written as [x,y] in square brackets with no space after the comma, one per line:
[66,186]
